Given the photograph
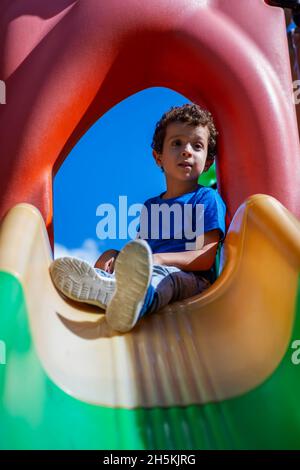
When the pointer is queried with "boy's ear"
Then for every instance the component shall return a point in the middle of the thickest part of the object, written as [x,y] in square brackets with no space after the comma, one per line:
[157,157]
[209,161]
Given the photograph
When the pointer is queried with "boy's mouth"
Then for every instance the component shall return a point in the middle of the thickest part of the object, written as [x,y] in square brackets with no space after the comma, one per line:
[185,165]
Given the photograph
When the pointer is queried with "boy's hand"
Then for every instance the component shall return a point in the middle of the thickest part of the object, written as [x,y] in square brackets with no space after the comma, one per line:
[107,261]
[109,266]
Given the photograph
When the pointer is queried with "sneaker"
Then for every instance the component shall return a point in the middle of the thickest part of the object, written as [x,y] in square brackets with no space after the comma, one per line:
[133,271]
[79,281]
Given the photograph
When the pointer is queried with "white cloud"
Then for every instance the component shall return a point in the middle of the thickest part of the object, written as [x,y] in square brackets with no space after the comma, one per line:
[88,251]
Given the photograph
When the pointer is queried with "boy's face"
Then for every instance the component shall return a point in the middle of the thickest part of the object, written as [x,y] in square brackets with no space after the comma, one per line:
[184,154]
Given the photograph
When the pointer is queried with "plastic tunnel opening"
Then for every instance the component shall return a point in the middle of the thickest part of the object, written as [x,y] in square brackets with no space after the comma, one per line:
[111,169]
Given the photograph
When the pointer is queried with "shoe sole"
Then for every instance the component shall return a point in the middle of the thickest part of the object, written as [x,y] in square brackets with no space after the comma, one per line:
[133,270]
[77,280]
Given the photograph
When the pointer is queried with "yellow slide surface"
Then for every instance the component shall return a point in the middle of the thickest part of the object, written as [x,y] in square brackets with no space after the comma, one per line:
[214,346]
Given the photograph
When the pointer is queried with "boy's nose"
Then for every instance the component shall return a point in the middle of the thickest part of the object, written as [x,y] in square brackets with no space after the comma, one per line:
[186,152]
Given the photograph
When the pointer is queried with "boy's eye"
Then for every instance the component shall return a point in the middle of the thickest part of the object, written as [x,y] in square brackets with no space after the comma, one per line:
[177,142]
[198,146]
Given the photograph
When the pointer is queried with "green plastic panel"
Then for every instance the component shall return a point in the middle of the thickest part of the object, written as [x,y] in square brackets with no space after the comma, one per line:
[208,178]
[36,414]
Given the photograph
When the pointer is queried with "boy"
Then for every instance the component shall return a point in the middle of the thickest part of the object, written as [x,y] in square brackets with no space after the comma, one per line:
[153,271]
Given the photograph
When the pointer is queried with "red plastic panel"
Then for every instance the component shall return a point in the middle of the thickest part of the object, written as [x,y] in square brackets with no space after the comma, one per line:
[66,62]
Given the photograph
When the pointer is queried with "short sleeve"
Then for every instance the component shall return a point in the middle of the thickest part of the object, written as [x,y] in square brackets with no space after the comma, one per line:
[214,211]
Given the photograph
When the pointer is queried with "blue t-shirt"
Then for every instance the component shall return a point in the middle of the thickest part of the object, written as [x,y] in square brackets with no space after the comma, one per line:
[174,224]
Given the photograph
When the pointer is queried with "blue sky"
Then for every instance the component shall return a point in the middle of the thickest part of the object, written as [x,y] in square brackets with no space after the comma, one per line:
[114,158]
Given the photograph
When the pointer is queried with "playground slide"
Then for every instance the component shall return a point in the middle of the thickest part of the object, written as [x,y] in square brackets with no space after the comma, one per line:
[213,372]
[220,370]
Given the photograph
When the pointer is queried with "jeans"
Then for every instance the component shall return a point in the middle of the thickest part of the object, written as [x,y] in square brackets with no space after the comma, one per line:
[168,284]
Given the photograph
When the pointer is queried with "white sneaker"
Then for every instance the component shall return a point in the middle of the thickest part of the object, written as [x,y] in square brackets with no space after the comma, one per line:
[79,281]
[133,270]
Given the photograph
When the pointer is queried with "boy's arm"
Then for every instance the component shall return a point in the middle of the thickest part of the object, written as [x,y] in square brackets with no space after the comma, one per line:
[194,260]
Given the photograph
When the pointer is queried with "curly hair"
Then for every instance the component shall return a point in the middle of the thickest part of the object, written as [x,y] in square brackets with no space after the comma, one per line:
[191,114]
